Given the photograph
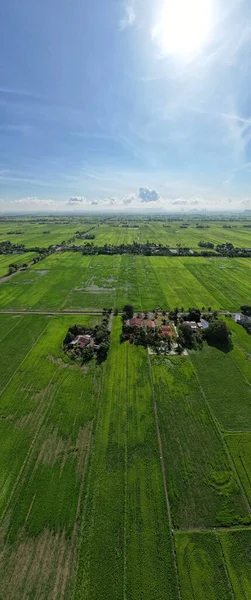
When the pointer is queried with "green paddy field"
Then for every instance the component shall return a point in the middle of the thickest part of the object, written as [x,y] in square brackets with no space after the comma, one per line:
[71,281]
[128,480]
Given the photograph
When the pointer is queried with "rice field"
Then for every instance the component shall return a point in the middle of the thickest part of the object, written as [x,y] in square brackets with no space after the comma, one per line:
[203,488]
[18,259]
[143,230]
[202,568]
[72,281]
[42,232]
[87,435]
[130,479]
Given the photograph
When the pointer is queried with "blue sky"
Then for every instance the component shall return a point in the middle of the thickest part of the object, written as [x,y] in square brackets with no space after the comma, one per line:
[125,105]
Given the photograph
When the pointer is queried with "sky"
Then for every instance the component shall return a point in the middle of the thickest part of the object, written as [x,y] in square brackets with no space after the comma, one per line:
[135,105]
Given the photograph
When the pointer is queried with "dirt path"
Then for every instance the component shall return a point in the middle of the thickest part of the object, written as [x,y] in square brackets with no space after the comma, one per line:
[51,312]
[8,277]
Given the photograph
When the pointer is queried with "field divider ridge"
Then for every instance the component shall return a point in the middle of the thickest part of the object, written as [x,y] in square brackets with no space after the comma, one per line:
[225,567]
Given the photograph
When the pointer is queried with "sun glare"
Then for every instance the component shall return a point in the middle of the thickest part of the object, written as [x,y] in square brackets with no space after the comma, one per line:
[183,27]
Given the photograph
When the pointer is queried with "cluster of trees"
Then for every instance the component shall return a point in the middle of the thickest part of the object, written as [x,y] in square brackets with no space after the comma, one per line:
[230,251]
[83,235]
[206,245]
[142,336]
[147,249]
[100,336]
[246,310]
[188,337]
[13,268]
[217,334]
[7,247]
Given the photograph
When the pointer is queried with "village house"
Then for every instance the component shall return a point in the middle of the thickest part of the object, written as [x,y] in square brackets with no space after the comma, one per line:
[193,324]
[81,341]
[166,331]
[135,322]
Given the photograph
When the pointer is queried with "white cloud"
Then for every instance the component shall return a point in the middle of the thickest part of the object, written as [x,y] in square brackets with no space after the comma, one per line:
[77,200]
[147,195]
[34,201]
[179,202]
[129,16]
[129,199]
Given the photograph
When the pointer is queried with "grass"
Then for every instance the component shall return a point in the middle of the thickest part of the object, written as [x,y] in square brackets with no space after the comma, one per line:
[202,568]
[202,486]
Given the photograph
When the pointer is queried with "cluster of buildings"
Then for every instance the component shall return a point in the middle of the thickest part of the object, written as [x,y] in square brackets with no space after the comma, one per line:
[166,330]
[141,321]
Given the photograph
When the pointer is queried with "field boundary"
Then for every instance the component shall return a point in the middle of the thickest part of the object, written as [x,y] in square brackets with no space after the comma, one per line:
[225,566]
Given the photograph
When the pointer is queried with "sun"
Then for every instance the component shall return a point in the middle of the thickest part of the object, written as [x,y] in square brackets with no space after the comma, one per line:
[183,27]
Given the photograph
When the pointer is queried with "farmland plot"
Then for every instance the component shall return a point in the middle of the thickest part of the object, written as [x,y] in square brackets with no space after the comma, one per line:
[236,547]
[18,336]
[229,281]
[126,548]
[226,388]
[202,568]
[240,448]
[47,417]
[17,259]
[241,348]
[203,489]
[73,281]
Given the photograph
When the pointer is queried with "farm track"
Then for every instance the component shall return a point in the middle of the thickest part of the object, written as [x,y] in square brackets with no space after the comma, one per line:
[218,529]
[73,312]
[51,312]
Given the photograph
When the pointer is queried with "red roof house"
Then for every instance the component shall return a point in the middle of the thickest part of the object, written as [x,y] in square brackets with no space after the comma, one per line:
[150,323]
[81,340]
[135,322]
[166,331]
